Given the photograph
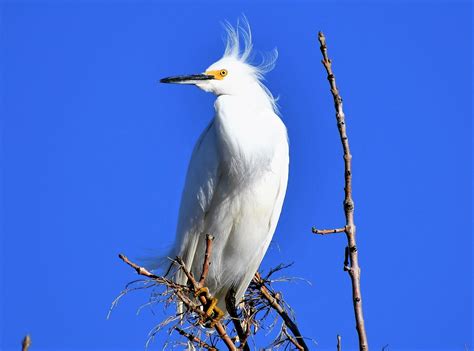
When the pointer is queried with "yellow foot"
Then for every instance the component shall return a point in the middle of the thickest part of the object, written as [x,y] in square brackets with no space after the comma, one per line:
[211,306]
[202,291]
[218,315]
[213,313]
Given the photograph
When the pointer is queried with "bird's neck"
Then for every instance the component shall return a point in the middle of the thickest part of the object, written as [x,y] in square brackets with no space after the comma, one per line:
[253,97]
[248,130]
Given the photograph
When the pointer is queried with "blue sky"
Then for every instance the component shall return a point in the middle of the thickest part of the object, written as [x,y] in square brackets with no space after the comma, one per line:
[94,154]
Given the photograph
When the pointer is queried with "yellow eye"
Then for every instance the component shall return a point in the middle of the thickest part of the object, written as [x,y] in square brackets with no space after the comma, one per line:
[223,72]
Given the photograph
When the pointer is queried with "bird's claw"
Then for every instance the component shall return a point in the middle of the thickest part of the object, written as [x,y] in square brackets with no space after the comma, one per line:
[218,314]
[202,291]
[213,313]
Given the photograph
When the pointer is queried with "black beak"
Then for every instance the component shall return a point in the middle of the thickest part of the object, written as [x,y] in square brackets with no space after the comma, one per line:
[190,79]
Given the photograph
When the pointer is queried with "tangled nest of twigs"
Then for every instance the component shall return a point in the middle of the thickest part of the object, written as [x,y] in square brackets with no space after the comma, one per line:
[260,310]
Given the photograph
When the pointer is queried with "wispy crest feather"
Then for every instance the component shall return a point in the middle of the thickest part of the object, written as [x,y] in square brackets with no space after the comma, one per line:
[243,52]
[240,47]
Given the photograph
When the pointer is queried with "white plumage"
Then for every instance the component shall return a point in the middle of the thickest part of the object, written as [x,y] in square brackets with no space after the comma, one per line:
[237,176]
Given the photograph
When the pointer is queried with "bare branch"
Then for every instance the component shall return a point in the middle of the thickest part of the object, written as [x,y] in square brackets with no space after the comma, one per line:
[339,345]
[219,327]
[292,339]
[140,270]
[207,260]
[195,339]
[181,291]
[188,274]
[352,267]
[274,303]
[230,305]
[26,343]
[327,231]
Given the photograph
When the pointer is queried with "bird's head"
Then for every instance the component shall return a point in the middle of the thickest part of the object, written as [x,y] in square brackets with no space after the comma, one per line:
[232,74]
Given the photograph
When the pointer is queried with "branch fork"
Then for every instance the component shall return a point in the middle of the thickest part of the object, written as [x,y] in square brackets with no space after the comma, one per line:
[259,289]
[184,298]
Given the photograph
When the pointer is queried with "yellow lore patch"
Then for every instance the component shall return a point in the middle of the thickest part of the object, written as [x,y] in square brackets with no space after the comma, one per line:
[218,74]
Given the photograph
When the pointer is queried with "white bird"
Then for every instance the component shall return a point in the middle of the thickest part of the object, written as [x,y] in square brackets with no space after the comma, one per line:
[237,177]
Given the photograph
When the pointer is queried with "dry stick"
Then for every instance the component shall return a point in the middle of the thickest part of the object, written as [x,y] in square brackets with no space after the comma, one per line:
[143,271]
[230,302]
[350,229]
[140,270]
[292,339]
[339,347]
[219,327]
[248,331]
[223,335]
[328,231]
[200,284]
[177,288]
[195,339]
[207,260]
[280,310]
[25,344]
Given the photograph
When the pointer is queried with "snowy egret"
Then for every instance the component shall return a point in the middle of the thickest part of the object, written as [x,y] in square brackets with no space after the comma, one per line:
[237,177]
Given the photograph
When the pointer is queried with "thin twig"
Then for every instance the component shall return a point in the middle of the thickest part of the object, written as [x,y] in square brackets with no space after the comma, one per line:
[188,274]
[339,344]
[350,229]
[195,339]
[232,310]
[178,290]
[248,331]
[327,231]
[248,316]
[26,343]
[274,303]
[146,273]
[292,339]
[140,270]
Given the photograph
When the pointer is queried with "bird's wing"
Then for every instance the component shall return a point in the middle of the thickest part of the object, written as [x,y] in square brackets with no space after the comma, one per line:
[201,181]
[279,166]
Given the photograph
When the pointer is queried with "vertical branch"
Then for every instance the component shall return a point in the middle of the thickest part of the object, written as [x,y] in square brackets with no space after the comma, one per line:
[232,310]
[25,344]
[207,260]
[352,267]
[339,347]
[219,327]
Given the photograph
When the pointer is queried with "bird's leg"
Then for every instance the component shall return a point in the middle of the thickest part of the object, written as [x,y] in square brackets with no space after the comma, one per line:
[230,302]
[210,309]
